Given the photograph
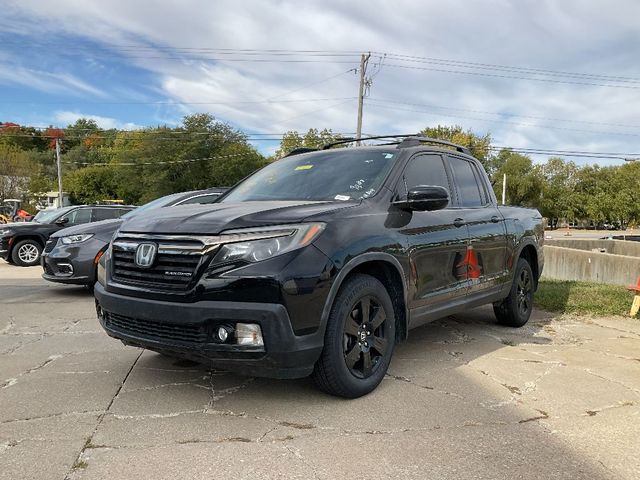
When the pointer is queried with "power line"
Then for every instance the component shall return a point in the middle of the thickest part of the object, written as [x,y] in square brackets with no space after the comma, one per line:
[508,68]
[532,117]
[161,162]
[505,122]
[238,102]
[495,75]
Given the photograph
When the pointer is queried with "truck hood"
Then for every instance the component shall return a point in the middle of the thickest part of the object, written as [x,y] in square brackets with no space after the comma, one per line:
[218,217]
[24,227]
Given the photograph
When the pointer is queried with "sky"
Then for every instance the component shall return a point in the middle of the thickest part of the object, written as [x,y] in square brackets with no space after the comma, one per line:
[558,75]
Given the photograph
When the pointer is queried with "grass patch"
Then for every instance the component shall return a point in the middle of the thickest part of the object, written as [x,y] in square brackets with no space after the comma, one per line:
[583,298]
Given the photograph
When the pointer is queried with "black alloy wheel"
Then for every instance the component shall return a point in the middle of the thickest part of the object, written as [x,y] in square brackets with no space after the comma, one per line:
[359,339]
[364,337]
[515,310]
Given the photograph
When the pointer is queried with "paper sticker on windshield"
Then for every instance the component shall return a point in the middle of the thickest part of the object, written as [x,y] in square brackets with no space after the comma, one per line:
[342,197]
[388,155]
[304,167]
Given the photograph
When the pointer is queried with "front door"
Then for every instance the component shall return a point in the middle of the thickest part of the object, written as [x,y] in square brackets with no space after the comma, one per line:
[435,240]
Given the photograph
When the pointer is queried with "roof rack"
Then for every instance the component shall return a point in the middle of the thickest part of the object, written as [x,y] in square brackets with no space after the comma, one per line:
[298,151]
[404,141]
[415,140]
[327,146]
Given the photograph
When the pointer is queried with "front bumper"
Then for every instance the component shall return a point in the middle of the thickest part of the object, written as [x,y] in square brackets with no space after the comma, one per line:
[5,244]
[170,327]
[71,264]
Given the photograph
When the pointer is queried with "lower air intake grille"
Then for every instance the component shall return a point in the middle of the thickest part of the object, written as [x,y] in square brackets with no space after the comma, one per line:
[188,333]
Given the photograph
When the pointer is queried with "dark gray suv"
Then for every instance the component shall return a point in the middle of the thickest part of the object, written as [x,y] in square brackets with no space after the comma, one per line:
[70,256]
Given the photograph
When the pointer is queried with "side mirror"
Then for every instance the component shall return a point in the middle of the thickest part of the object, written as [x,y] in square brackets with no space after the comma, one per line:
[425,198]
[62,221]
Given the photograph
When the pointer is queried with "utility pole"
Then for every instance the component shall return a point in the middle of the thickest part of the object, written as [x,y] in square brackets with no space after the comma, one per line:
[504,188]
[364,60]
[59,172]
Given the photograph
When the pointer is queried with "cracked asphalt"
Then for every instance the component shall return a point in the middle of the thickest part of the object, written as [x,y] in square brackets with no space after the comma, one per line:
[464,399]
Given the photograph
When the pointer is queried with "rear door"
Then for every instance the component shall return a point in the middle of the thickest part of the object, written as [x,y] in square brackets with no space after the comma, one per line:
[483,263]
[435,240]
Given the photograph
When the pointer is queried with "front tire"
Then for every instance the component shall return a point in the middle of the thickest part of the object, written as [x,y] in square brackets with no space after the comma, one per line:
[515,310]
[359,339]
[26,253]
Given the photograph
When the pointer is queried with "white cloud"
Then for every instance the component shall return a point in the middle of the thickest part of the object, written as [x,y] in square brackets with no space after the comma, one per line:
[572,35]
[67,118]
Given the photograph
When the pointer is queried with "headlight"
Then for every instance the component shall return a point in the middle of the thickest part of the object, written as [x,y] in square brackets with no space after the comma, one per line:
[266,243]
[4,232]
[71,239]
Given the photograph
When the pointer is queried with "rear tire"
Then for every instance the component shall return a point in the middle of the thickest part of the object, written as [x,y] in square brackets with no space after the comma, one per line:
[359,339]
[26,253]
[515,310]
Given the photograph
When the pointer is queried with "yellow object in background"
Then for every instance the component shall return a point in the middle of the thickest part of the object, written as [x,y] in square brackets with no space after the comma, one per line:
[635,306]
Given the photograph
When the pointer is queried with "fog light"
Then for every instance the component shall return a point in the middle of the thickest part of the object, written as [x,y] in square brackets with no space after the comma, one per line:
[249,334]
[99,312]
[65,269]
[223,334]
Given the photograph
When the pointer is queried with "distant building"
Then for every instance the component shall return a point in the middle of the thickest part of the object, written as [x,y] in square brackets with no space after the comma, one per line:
[51,200]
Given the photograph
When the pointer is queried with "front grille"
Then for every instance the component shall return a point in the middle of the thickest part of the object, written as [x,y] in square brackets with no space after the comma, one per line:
[175,265]
[50,245]
[188,333]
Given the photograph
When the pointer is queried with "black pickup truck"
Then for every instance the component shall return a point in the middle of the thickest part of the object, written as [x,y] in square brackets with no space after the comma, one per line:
[321,262]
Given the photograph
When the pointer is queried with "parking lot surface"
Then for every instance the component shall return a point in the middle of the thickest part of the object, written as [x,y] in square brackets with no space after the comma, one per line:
[464,398]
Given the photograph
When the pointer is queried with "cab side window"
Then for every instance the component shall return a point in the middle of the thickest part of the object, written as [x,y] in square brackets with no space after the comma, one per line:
[467,183]
[424,170]
[79,216]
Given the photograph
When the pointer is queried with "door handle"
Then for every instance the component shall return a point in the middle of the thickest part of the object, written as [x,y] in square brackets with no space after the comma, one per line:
[459,222]
[495,219]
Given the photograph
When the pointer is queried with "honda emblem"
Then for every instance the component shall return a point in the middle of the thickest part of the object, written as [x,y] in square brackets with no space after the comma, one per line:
[146,254]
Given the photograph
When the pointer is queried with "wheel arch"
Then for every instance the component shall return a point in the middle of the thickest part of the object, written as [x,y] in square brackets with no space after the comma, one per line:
[528,250]
[386,268]
[20,238]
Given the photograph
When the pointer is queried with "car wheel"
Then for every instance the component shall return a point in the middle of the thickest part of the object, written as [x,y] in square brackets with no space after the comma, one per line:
[515,310]
[26,253]
[359,339]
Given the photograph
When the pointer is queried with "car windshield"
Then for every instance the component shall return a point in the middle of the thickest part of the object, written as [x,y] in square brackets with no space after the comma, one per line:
[48,216]
[341,174]
[157,203]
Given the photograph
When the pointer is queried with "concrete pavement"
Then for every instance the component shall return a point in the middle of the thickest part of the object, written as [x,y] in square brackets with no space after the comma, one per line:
[464,398]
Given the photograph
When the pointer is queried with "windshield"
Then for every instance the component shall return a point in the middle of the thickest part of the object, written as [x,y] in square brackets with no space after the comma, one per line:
[48,216]
[332,175]
[157,203]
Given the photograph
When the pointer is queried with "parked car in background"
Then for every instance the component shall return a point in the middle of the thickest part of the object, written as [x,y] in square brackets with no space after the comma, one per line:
[321,262]
[70,255]
[22,243]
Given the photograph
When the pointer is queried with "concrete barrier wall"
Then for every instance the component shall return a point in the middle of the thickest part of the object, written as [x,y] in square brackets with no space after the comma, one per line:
[616,247]
[586,266]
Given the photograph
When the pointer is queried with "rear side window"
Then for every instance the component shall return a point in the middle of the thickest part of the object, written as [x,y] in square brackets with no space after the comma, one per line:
[425,170]
[201,199]
[468,189]
[106,213]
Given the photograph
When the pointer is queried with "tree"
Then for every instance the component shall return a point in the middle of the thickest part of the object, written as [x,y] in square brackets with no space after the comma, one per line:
[559,198]
[15,171]
[314,138]
[480,146]
[524,182]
